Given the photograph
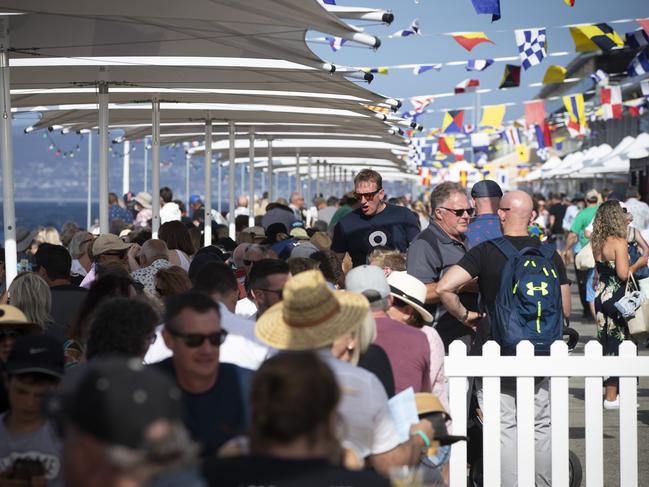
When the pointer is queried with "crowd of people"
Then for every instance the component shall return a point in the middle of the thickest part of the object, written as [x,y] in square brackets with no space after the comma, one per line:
[271,358]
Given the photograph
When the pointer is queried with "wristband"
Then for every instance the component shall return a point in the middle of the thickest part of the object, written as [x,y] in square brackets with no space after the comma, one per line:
[423,436]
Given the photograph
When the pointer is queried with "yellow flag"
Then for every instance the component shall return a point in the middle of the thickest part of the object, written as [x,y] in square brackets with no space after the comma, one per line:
[595,37]
[523,153]
[554,74]
[492,116]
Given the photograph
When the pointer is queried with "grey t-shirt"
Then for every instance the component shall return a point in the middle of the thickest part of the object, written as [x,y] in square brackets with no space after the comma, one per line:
[428,264]
[43,446]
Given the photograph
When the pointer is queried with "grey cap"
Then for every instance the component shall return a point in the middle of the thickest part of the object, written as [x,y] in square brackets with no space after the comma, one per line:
[486,189]
[369,280]
[304,249]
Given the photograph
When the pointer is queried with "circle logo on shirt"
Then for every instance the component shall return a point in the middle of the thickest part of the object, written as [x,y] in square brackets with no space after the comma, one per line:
[378,238]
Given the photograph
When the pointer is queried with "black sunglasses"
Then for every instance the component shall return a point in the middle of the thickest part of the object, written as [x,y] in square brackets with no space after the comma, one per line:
[460,211]
[195,340]
[368,196]
[11,333]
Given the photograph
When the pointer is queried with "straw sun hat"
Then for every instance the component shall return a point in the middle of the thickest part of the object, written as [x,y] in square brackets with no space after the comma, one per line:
[311,315]
[410,290]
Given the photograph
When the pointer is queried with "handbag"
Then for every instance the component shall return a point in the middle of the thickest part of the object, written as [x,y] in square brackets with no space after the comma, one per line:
[585,260]
[639,323]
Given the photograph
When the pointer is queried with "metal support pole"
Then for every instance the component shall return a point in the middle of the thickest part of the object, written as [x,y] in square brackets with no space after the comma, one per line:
[188,163]
[308,179]
[219,186]
[155,165]
[8,203]
[231,177]
[344,181]
[270,170]
[207,233]
[126,162]
[334,182]
[298,181]
[104,224]
[146,164]
[317,177]
[89,184]
[251,177]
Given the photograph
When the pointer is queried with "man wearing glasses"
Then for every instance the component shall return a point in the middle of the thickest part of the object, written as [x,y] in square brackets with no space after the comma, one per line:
[374,224]
[214,393]
[439,247]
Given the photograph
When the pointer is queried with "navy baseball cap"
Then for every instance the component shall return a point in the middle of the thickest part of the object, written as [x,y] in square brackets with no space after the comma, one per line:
[486,189]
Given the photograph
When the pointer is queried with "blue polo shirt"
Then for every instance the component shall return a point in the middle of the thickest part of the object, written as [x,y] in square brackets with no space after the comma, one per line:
[482,228]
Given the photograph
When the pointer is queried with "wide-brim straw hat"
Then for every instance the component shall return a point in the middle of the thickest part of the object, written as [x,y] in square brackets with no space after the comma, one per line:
[144,199]
[311,315]
[410,290]
[12,317]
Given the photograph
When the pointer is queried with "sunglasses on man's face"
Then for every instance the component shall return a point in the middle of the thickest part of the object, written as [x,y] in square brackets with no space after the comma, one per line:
[10,334]
[195,340]
[459,211]
[367,196]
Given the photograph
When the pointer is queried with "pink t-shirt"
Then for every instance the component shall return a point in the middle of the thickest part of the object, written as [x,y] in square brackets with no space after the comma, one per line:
[409,354]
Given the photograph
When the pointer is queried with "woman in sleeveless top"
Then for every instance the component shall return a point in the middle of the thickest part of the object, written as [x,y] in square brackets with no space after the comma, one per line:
[609,243]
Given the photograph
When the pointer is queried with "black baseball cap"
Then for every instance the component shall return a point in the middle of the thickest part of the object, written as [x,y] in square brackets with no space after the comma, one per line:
[486,188]
[42,354]
[116,400]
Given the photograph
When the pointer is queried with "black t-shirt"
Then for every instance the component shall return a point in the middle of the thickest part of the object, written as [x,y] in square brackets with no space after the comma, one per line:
[219,414]
[266,471]
[66,303]
[375,360]
[558,211]
[486,261]
[395,227]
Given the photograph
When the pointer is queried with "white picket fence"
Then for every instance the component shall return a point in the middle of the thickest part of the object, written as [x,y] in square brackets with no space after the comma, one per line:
[560,367]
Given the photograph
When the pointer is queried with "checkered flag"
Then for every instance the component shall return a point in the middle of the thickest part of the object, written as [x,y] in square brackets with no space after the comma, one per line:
[531,46]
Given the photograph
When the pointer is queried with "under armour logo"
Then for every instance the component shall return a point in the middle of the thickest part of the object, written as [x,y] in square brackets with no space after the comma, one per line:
[531,288]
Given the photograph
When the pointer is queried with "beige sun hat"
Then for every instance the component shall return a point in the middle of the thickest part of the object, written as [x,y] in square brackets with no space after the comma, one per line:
[310,315]
[144,199]
[410,290]
[10,316]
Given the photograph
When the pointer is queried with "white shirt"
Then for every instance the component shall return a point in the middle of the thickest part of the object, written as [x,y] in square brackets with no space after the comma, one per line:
[363,408]
[569,217]
[640,211]
[246,308]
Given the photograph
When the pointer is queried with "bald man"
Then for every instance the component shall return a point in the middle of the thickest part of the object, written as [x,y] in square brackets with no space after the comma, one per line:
[486,262]
[154,256]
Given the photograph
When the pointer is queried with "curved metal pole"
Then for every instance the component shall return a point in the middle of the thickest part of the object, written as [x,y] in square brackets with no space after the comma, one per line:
[155,166]
[251,178]
[207,232]
[8,204]
[104,224]
[231,176]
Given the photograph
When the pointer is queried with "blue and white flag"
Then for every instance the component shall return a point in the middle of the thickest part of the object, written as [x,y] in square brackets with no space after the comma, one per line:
[531,46]
[336,43]
[639,65]
[599,76]
[329,2]
[411,115]
[422,68]
[478,64]
[512,136]
[410,31]
[637,39]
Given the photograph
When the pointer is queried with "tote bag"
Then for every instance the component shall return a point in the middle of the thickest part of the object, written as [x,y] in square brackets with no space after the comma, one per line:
[639,323]
[584,260]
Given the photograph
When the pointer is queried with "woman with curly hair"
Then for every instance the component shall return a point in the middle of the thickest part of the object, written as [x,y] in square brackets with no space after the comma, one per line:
[609,243]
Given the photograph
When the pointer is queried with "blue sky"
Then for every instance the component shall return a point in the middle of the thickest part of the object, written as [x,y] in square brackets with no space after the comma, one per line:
[437,17]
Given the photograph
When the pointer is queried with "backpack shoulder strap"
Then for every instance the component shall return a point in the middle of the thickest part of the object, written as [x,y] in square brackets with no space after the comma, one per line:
[547,251]
[505,246]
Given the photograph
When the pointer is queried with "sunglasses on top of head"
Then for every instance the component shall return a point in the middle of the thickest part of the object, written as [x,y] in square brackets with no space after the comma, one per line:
[459,211]
[195,340]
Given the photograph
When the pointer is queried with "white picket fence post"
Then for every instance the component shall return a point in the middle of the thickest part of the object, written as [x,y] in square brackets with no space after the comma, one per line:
[559,367]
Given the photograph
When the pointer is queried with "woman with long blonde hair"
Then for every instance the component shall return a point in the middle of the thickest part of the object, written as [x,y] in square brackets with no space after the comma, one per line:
[609,243]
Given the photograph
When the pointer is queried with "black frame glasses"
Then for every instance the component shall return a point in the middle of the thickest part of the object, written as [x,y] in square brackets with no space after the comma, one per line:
[459,212]
[195,340]
[368,196]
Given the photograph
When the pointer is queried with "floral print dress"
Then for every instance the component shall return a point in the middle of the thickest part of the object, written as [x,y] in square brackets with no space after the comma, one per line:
[611,326]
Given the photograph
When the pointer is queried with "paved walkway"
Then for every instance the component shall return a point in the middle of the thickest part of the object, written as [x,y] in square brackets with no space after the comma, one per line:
[587,331]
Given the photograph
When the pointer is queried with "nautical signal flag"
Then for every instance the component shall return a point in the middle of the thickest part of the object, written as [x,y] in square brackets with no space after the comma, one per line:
[492,116]
[379,70]
[511,76]
[570,3]
[467,86]
[639,65]
[512,136]
[422,68]
[644,86]
[491,7]
[636,39]
[419,103]
[534,112]
[336,43]
[554,74]
[446,145]
[531,46]
[576,109]
[410,31]
[452,122]
[478,64]
[595,37]
[611,98]
[644,23]
[468,40]
[599,76]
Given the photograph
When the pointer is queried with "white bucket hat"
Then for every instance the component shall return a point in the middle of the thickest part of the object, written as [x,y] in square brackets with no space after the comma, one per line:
[410,290]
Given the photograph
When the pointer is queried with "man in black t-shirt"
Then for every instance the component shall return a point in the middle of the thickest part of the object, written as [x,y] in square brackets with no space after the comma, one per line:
[486,263]
[557,211]
[374,224]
